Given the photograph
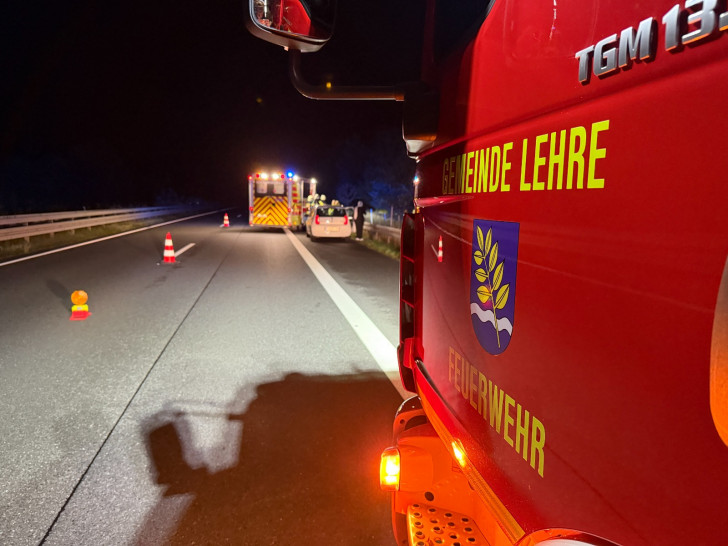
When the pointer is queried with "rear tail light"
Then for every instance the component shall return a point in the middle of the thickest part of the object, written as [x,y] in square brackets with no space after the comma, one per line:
[346,219]
[250,208]
[389,469]
[316,219]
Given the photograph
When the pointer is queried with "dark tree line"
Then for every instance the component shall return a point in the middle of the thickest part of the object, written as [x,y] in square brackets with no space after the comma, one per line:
[375,168]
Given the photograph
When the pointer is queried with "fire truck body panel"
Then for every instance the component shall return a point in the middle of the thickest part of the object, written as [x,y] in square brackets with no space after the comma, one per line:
[590,409]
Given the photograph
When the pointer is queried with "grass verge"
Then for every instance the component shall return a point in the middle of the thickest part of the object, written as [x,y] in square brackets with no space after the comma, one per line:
[390,250]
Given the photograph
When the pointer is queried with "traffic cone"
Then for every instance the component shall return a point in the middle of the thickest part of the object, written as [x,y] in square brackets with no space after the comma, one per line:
[79,310]
[168,250]
[439,250]
[226,221]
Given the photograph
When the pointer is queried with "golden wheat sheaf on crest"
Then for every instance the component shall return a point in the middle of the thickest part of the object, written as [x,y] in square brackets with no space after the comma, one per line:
[489,275]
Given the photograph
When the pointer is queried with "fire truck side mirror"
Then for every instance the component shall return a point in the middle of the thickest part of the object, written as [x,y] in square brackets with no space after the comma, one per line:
[303,25]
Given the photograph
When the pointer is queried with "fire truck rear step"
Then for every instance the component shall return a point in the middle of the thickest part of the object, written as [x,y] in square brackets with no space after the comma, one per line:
[432,526]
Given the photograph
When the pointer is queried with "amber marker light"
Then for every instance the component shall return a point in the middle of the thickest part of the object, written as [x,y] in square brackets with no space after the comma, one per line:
[459,453]
[389,468]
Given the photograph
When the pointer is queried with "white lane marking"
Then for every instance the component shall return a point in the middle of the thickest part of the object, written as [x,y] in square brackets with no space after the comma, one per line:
[47,252]
[383,352]
[184,249]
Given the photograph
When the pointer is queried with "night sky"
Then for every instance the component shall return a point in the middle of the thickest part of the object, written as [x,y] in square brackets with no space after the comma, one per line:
[124,103]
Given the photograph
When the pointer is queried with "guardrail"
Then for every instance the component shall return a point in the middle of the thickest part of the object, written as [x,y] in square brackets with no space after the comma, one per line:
[390,235]
[25,226]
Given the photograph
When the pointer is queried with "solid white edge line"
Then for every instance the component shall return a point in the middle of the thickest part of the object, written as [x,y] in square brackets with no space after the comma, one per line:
[383,352]
[55,250]
[184,249]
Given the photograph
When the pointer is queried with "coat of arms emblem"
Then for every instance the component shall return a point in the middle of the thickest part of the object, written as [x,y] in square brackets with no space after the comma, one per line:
[493,283]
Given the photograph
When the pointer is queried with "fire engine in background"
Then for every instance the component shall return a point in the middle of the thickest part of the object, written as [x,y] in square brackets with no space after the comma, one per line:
[279,200]
[564,284]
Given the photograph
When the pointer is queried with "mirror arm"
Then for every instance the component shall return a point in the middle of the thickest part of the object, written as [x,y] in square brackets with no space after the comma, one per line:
[364,92]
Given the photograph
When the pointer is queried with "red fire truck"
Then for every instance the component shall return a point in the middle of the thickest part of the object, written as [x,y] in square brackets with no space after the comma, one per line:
[564,283]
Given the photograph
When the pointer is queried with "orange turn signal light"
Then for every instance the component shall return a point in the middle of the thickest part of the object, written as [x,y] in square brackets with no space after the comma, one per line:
[389,469]
[458,452]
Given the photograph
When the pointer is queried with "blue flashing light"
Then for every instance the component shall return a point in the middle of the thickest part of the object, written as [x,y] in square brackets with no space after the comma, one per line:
[289,174]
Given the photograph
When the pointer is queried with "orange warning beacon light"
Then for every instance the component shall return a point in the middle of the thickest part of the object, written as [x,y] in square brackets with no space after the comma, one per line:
[79,311]
[168,250]
[389,469]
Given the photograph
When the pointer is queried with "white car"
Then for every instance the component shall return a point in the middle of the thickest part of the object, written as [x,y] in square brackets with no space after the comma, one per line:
[328,221]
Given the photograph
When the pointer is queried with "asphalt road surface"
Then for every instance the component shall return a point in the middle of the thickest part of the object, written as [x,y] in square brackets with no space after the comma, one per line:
[223,399]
